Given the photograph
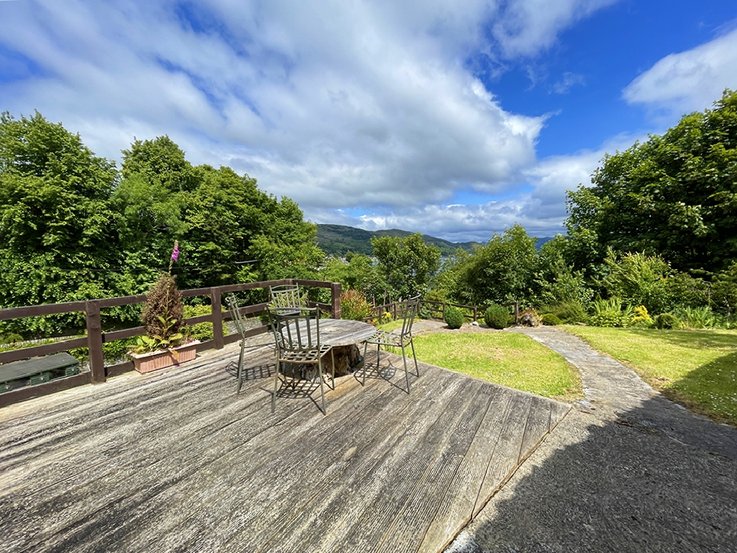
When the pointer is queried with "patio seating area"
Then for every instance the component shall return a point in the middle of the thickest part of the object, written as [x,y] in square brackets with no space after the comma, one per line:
[177,461]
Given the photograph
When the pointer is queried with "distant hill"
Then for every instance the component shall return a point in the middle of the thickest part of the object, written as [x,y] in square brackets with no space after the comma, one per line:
[341,239]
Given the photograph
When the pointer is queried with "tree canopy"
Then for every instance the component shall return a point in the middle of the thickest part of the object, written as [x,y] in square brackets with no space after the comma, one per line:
[58,228]
[73,227]
[406,264]
[674,196]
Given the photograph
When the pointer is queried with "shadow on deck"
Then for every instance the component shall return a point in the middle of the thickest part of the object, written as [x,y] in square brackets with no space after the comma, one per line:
[175,460]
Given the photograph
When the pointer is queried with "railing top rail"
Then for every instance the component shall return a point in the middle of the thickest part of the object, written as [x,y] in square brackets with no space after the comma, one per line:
[80,306]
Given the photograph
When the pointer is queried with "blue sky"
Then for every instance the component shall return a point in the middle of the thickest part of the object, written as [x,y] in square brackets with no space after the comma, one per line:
[454,118]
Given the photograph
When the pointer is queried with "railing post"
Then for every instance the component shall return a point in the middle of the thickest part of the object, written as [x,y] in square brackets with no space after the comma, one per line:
[94,341]
[335,290]
[217,318]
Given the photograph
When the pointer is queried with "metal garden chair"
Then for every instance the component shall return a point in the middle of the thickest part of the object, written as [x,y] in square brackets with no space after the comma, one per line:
[285,298]
[240,326]
[297,337]
[401,339]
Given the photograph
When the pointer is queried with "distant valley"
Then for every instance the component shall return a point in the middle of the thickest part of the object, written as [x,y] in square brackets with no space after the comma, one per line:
[341,239]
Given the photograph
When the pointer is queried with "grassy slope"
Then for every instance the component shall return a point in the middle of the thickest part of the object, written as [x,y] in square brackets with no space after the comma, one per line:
[695,367]
[504,358]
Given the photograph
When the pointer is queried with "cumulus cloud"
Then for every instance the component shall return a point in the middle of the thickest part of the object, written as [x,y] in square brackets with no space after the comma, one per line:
[333,104]
[339,105]
[690,80]
[541,209]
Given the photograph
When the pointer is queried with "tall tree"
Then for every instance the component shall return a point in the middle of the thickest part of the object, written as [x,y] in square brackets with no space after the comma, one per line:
[503,270]
[59,232]
[407,264]
[674,195]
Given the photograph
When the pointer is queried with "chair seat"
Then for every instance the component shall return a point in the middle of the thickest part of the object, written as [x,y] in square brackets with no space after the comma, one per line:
[384,338]
[303,356]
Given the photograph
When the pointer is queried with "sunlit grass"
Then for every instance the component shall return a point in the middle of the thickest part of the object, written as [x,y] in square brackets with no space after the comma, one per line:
[695,367]
[504,358]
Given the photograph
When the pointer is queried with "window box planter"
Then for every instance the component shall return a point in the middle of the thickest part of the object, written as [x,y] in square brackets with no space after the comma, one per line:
[147,362]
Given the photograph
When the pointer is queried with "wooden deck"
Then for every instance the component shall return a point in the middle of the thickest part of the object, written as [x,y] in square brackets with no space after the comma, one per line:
[175,461]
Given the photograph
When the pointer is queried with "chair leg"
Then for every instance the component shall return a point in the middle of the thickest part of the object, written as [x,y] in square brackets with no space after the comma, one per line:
[406,373]
[365,366]
[417,368]
[322,388]
[276,382]
[239,373]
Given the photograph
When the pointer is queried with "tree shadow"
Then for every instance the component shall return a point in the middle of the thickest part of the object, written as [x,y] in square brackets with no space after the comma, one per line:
[651,478]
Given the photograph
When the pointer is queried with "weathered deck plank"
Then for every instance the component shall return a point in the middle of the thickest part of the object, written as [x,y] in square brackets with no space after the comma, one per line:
[176,461]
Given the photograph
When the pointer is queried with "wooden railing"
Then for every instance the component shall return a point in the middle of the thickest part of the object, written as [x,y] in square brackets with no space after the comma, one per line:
[96,336]
[435,308]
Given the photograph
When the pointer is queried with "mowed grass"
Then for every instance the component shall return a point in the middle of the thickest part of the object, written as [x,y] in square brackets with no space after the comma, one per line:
[505,358]
[697,368]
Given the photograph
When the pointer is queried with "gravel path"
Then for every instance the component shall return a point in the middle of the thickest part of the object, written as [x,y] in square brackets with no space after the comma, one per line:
[627,470]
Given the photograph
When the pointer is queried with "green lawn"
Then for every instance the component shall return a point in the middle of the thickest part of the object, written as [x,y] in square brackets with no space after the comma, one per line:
[695,367]
[505,358]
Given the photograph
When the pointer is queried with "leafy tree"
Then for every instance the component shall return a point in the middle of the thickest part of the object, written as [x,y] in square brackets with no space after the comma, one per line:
[357,272]
[639,279]
[673,195]
[447,284]
[407,264]
[286,245]
[160,161]
[556,281]
[59,232]
[503,270]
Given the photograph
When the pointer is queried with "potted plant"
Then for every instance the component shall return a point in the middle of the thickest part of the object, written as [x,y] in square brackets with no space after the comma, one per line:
[166,341]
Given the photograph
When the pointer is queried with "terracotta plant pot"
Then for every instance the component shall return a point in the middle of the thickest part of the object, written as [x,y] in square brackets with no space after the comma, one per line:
[147,362]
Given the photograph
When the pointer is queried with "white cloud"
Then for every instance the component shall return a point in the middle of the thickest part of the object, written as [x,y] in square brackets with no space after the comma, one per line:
[688,81]
[567,81]
[333,104]
[526,27]
[541,210]
[336,104]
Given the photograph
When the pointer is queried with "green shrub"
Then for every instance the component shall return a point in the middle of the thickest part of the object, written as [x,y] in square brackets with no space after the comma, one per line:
[453,317]
[639,279]
[695,317]
[640,317]
[354,306]
[610,313]
[199,331]
[569,312]
[725,290]
[497,316]
[666,321]
[10,338]
[550,319]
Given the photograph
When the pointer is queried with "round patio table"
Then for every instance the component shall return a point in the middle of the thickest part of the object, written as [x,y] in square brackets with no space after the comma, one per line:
[344,335]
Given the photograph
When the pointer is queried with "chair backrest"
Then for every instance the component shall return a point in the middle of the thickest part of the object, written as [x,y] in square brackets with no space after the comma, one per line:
[285,298]
[296,330]
[408,310]
[236,315]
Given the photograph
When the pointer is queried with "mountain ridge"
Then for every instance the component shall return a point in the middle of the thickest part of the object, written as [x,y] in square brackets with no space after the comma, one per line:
[341,239]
